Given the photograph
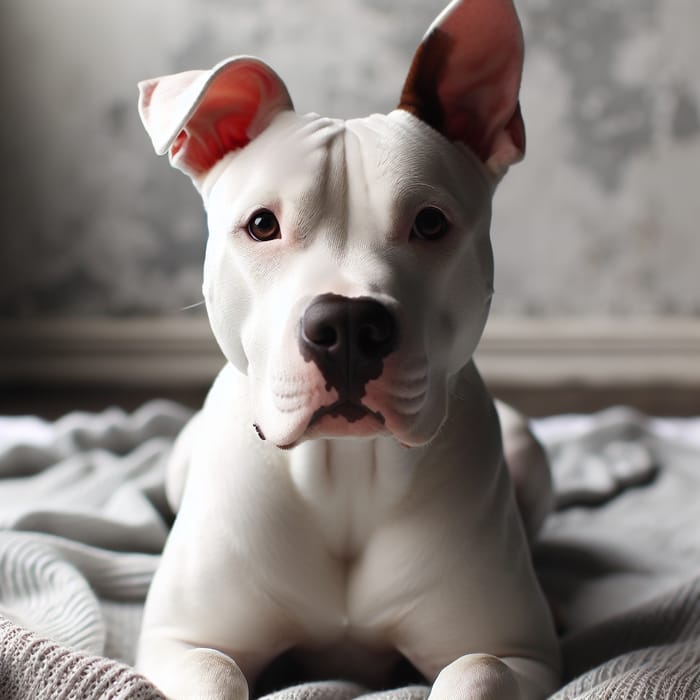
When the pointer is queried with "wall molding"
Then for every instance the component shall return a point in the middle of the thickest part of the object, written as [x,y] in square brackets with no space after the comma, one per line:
[592,351]
[180,352]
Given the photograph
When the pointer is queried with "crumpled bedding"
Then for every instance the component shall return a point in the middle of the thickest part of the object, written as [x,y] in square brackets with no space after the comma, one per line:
[83,518]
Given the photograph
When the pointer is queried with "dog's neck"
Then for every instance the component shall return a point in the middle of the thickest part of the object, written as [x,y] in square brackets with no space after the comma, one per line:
[349,483]
[352,484]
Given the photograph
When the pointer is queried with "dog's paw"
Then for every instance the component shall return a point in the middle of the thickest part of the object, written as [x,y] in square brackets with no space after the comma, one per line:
[205,674]
[476,677]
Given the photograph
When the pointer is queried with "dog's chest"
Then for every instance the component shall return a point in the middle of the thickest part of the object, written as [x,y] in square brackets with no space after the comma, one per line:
[349,486]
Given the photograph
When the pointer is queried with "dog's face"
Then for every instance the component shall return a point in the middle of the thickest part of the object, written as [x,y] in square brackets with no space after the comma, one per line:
[348,271]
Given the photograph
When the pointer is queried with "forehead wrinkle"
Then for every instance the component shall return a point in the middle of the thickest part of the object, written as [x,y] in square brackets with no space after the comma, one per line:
[322,207]
[371,176]
[391,178]
[312,204]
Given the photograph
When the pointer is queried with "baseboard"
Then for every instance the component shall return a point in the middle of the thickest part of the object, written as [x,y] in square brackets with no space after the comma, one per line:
[632,352]
[180,352]
[132,352]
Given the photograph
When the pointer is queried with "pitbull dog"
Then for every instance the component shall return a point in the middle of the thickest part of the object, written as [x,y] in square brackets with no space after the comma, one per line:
[343,494]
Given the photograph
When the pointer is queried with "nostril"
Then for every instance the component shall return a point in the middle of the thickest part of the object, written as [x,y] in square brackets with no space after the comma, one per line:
[321,334]
[375,338]
[322,324]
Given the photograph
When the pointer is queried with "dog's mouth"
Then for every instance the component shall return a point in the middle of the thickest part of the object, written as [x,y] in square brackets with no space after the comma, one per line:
[351,411]
[340,415]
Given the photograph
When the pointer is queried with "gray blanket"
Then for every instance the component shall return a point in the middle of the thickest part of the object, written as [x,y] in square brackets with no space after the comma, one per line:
[83,518]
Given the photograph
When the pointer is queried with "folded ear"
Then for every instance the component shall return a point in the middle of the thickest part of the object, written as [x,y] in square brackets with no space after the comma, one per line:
[465,77]
[199,116]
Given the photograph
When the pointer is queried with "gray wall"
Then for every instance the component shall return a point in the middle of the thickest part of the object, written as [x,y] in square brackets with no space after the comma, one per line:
[601,218]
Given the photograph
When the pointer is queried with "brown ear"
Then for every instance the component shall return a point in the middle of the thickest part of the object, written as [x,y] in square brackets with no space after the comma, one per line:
[199,116]
[465,77]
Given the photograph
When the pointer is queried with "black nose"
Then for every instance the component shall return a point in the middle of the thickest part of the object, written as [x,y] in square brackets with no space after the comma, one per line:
[348,339]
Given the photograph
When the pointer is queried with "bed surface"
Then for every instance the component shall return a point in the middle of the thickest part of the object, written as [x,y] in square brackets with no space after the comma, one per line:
[83,517]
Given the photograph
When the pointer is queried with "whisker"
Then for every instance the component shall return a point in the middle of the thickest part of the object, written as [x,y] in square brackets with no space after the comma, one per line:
[192,306]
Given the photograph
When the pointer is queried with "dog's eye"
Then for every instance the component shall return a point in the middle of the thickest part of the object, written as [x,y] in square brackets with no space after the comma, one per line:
[430,224]
[263,226]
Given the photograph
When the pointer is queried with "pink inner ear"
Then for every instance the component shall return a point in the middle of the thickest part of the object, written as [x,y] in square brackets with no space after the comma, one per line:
[465,78]
[236,107]
[200,116]
[480,86]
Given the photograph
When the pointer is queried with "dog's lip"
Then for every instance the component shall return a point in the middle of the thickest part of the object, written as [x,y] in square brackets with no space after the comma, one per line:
[351,411]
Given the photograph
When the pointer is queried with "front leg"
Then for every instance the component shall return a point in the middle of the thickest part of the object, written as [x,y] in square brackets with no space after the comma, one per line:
[185,672]
[487,677]
[210,626]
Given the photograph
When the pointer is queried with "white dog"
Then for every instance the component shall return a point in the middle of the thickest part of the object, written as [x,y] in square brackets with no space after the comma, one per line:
[342,494]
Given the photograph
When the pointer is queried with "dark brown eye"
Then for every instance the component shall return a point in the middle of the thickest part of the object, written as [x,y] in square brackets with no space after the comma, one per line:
[430,224]
[263,226]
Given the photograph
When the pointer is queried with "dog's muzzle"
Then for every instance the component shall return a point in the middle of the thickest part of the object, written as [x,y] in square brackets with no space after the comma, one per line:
[348,339]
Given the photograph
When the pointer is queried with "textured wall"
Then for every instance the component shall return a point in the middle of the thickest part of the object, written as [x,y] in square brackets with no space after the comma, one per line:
[601,218]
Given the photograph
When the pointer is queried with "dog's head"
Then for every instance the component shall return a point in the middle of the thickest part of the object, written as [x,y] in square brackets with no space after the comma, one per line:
[349,271]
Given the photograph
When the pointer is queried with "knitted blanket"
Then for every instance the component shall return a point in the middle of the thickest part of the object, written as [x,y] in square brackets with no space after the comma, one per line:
[83,518]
